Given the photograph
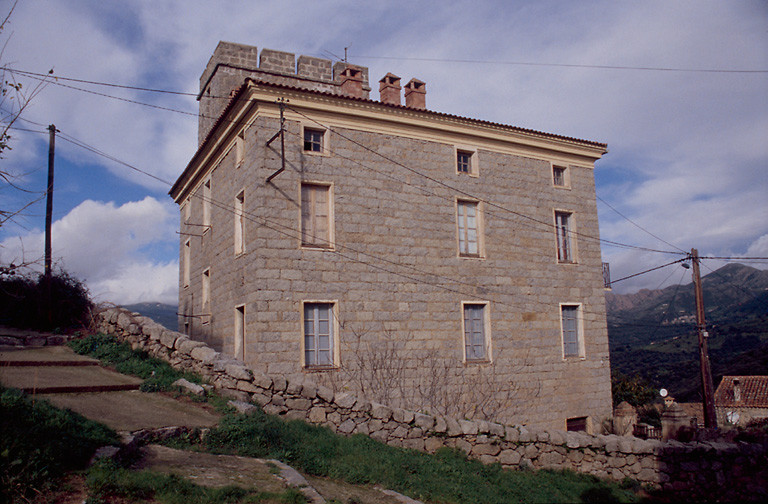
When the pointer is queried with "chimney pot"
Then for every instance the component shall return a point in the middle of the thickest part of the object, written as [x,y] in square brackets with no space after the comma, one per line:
[350,80]
[389,89]
[416,94]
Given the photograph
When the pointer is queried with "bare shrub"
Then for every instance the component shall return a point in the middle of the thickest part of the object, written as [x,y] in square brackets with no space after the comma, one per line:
[384,371]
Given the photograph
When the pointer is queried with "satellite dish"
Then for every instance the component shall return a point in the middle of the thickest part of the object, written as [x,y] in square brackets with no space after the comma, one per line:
[663,392]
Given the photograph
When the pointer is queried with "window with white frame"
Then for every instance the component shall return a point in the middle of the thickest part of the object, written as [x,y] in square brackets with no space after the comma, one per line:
[564,231]
[314,140]
[476,335]
[573,345]
[239,223]
[316,215]
[468,227]
[207,205]
[319,335]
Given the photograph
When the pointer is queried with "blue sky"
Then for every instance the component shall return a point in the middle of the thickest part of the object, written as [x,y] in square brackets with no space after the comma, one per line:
[688,150]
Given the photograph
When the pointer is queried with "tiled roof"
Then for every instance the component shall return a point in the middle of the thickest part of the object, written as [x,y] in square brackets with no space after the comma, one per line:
[237,96]
[440,114]
[753,392]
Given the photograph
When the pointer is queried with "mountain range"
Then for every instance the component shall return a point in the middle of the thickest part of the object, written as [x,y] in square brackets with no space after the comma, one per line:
[652,333]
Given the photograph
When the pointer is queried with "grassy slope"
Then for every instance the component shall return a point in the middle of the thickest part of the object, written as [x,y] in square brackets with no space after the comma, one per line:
[446,477]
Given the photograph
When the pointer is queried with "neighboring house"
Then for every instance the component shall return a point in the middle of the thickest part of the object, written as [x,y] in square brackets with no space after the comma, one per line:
[422,259]
[741,399]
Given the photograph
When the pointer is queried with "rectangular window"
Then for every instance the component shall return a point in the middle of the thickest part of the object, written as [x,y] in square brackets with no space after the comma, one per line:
[463,161]
[572,341]
[239,223]
[313,140]
[318,335]
[558,176]
[206,296]
[187,208]
[187,258]
[578,424]
[239,343]
[239,149]
[466,161]
[207,205]
[475,337]
[564,232]
[316,216]
[467,217]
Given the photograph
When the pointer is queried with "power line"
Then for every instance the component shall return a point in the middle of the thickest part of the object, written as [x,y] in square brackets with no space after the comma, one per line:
[291,232]
[572,65]
[638,225]
[475,197]
[649,270]
[96,83]
[488,202]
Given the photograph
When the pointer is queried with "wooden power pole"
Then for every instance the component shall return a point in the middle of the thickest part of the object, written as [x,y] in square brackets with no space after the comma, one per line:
[49,200]
[707,386]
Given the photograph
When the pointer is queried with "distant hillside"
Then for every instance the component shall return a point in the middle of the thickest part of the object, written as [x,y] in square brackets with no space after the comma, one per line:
[163,314]
[653,333]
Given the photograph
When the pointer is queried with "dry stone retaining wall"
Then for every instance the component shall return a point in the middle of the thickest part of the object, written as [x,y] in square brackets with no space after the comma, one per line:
[699,469]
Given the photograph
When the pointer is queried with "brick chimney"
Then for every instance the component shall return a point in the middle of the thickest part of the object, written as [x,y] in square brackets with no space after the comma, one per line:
[416,94]
[351,81]
[389,89]
[736,390]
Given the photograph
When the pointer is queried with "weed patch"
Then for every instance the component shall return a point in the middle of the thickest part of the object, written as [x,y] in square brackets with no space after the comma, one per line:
[157,374]
[447,476]
[39,443]
[106,481]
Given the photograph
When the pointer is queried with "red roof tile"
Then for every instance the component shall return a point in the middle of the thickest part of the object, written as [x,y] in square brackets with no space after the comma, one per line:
[753,392]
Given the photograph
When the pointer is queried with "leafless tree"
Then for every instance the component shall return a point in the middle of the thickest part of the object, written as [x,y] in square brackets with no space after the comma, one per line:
[14,100]
[382,370]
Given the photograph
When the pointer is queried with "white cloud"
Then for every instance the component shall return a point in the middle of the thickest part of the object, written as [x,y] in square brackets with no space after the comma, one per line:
[687,151]
[109,247]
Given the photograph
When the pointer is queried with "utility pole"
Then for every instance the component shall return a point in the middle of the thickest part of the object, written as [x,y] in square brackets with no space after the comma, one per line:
[707,386]
[49,200]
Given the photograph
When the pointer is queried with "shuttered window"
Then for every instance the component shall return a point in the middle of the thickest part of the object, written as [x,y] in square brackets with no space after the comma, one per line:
[474,332]
[240,223]
[318,334]
[571,336]
[563,230]
[467,218]
[315,215]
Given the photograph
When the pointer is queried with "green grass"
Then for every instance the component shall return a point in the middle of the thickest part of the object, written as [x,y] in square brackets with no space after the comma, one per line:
[157,374]
[39,443]
[106,480]
[445,477]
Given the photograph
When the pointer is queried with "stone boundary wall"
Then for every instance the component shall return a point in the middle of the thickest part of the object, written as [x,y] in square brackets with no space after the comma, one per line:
[10,336]
[698,470]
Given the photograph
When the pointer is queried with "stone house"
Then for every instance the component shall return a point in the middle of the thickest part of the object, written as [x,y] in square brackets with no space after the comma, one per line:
[422,259]
[741,399]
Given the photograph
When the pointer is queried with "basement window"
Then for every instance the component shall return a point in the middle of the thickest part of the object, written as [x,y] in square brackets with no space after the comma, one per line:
[576,424]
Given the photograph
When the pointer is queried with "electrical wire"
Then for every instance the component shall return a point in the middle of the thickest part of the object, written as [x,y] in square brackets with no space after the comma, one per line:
[638,225]
[344,251]
[466,194]
[571,65]
[473,196]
